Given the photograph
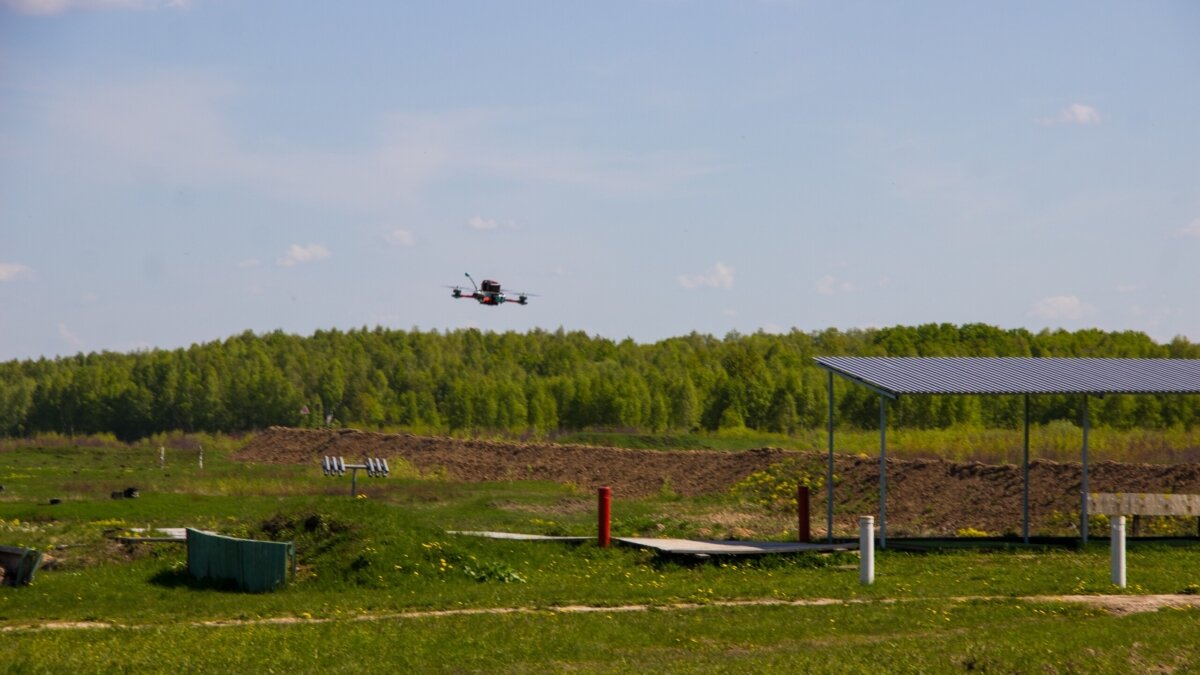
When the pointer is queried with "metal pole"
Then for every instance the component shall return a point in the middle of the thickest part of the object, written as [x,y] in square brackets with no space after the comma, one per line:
[1083,512]
[803,534]
[354,482]
[829,470]
[604,531]
[1118,551]
[866,550]
[1025,471]
[882,472]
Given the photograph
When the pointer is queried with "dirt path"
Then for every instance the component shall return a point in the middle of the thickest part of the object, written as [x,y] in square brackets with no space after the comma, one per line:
[1114,604]
[925,496]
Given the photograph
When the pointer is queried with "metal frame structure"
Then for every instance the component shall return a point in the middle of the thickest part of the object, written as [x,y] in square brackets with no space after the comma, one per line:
[891,377]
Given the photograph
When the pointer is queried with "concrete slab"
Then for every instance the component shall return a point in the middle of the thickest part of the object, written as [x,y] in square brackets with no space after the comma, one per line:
[709,548]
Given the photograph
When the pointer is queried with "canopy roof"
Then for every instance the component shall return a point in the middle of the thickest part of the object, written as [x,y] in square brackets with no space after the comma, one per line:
[894,376]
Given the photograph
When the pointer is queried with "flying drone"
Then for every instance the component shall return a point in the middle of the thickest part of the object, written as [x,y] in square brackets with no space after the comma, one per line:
[488,293]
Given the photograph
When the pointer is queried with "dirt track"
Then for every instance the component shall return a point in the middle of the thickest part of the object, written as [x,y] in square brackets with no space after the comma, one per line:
[925,497]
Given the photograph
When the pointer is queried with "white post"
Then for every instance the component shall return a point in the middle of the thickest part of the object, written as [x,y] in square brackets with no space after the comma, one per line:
[162,457]
[1118,551]
[202,457]
[866,550]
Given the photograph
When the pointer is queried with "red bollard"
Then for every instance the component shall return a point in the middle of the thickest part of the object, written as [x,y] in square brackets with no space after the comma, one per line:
[605,532]
[803,534]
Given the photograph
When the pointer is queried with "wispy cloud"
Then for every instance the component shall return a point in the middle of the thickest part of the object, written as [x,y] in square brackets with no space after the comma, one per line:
[1061,307]
[400,238]
[248,263]
[68,337]
[297,254]
[1076,113]
[181,123]
[10,271]
[1190,231]
[720,276]
[53,7]
[829,285]
[481,223]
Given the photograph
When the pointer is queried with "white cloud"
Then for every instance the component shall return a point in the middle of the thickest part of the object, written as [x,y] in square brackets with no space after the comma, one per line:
[69,337]
[10,271]
[1190,231]
[297,254]
[401,238]
[828,285]
[52,7]
[1125,289]
[181,124]
[1076,113]
[720,276]
[248,263]
[481,223]
[1058,307]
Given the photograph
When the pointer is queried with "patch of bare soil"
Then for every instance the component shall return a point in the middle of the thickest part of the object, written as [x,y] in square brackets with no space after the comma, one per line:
[925,496]
[1125,604]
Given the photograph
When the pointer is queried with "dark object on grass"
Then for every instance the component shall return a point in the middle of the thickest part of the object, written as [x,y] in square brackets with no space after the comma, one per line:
[17,565]
[251,565]
[131,493]
[117,494]
[55,500]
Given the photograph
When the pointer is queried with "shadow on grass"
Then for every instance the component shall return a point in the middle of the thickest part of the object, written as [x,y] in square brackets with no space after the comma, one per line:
[181,578]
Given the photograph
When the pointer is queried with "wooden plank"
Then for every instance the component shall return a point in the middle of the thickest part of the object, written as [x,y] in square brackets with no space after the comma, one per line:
[516,536]
[1143,504]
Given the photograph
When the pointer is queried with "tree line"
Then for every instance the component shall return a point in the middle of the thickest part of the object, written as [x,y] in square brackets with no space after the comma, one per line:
[540,382]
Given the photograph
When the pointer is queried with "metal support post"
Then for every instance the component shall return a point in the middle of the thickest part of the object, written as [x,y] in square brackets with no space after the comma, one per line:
[829,470]
[1083,511]
[866,550]
[803,532]
[1025,474]
[882,472]
[1118,551]
[604,529]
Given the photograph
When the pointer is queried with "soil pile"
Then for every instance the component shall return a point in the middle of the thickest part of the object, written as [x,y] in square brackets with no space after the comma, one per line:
[925,496]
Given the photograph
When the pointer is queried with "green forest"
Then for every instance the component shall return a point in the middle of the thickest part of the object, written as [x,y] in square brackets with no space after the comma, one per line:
[541,382]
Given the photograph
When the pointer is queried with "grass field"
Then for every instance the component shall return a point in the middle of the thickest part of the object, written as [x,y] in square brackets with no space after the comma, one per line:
[382,587]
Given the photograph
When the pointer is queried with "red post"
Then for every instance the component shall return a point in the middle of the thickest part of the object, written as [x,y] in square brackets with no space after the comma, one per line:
[605,531]
[802,531]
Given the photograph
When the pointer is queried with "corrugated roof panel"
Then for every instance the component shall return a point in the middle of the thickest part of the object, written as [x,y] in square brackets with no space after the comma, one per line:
[979,375]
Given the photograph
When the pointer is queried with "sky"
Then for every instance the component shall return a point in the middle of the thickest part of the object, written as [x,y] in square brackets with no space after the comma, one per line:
[179,171]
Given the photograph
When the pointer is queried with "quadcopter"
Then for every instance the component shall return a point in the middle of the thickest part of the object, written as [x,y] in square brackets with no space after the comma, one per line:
[488,293]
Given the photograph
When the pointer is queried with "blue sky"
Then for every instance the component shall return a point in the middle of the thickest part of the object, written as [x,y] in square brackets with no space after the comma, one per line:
[178,172]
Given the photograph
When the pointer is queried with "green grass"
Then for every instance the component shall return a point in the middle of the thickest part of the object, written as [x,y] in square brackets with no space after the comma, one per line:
[389,554]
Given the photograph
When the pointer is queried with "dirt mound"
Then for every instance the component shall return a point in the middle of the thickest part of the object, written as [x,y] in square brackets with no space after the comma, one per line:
[629,472]
[925,496]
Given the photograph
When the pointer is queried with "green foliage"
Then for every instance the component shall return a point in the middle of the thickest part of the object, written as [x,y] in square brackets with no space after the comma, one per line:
[543,383]
[775,487]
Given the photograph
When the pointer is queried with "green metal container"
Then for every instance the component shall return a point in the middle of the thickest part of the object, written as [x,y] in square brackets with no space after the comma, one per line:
[255,566]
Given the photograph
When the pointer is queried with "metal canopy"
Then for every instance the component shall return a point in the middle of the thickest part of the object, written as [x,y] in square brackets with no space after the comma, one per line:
[893,376]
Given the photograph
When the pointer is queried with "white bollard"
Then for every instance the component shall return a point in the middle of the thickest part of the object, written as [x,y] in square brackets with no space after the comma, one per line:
[162,457]
[866,550]
[1118,551]
[201,460]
